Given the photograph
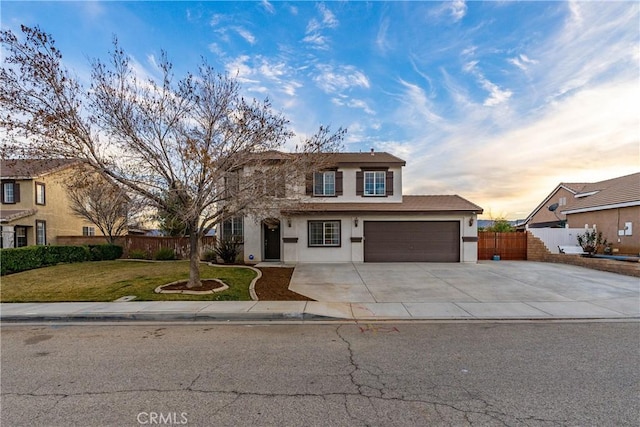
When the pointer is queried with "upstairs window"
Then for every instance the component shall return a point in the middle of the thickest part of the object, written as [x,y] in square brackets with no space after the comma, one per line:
[562,201]
[271,183]
[232,184]
[374,183]
[10,192]
[40,194]
[88,231]
[324,184]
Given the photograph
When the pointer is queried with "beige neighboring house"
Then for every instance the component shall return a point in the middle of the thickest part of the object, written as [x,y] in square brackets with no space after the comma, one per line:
[355,211]
[35,205]
[612,206]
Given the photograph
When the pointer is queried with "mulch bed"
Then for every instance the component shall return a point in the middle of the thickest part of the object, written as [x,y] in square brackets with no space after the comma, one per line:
[274,285]
[207,285]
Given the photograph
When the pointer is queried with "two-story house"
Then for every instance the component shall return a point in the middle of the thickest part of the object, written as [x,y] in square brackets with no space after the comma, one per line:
[35,205]
[355,211]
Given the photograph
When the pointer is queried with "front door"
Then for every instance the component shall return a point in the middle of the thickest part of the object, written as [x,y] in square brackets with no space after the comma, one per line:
[271,233]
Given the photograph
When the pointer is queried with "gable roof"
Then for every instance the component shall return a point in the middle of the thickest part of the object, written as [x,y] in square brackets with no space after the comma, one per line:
[612,193]
[409,204]
[32,168]
[572,188]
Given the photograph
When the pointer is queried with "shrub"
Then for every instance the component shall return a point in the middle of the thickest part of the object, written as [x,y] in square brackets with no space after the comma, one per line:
[209,255]
[105,252]
[165,254]
[228,250]
[591,241]
[137,254]
[14,260]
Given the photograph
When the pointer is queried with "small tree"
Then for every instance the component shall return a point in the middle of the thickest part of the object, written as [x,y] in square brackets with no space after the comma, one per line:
[591,241]
[102,203]
[162,139]
[500,225]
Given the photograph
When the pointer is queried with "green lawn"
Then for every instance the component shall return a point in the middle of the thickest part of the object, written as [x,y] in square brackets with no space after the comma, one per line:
[110,280]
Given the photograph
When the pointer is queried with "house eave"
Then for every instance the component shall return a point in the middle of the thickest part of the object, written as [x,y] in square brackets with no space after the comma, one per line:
[602,208]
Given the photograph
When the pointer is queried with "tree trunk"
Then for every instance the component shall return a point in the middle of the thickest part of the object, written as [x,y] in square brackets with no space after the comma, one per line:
[194,259]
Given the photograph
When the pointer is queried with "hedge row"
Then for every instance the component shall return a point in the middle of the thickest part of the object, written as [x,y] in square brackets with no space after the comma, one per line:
[14,260]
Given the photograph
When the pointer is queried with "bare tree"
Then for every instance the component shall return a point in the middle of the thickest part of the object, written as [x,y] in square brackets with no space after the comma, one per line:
[154,137]
[103,203]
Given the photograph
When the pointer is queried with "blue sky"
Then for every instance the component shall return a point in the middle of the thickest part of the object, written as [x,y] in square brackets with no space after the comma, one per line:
[495,101]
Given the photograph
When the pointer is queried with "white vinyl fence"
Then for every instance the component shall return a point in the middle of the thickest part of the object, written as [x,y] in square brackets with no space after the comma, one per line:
[554,237]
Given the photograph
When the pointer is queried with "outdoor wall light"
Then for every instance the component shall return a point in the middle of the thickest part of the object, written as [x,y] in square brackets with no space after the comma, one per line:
[289,222]
[470,221]
[355,221]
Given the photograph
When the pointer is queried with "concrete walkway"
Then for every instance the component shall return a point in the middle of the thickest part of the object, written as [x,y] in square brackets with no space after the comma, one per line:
[369,292]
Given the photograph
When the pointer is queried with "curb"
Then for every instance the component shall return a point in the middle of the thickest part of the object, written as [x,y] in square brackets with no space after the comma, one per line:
[165,317]
[276,316]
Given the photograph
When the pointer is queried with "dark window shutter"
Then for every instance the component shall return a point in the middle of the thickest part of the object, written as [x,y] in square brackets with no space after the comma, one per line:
[339,183]
[16,192]
[359,183]
[389,183]
[308,181]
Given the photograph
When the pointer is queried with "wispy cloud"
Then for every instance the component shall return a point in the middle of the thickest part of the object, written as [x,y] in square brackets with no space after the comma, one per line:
[415,107]
[264,75]
[313,34]
[344,101]
[458,9]
[522,61]
[245,34]
[382,43]
[268,6]
[335,79]
[496,94]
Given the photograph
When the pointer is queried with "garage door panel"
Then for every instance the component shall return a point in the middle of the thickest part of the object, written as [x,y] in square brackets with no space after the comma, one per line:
[411,241]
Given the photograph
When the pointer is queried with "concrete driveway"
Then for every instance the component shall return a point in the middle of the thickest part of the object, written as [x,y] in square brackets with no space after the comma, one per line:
[519,287]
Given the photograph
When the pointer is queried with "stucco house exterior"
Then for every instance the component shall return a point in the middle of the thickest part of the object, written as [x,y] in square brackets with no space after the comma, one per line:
[354,211]
[611,206]
[35,204]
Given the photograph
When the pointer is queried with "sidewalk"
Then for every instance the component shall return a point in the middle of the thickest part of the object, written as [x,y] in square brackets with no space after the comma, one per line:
[301,310]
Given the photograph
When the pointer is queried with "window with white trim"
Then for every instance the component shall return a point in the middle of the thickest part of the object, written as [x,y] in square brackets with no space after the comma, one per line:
[8,192]
[233,228]
[324,233]
[374,183]
[41,232]
[562,201]
[88,231]
[324,183]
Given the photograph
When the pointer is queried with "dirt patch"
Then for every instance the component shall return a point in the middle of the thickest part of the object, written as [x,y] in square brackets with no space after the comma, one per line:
[274,285]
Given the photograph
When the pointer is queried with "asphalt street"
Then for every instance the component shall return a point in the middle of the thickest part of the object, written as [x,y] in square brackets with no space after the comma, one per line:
[332,374]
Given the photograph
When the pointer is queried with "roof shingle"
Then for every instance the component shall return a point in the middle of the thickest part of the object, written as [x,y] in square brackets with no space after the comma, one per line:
[410,204]
[31,168]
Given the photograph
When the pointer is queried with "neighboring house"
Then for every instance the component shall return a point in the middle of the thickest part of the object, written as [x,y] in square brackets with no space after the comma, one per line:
[612,206]
[355,212]
[35,205]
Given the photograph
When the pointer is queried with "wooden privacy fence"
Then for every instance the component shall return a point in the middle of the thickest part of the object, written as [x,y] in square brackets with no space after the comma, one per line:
[148,244]
[509,245]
